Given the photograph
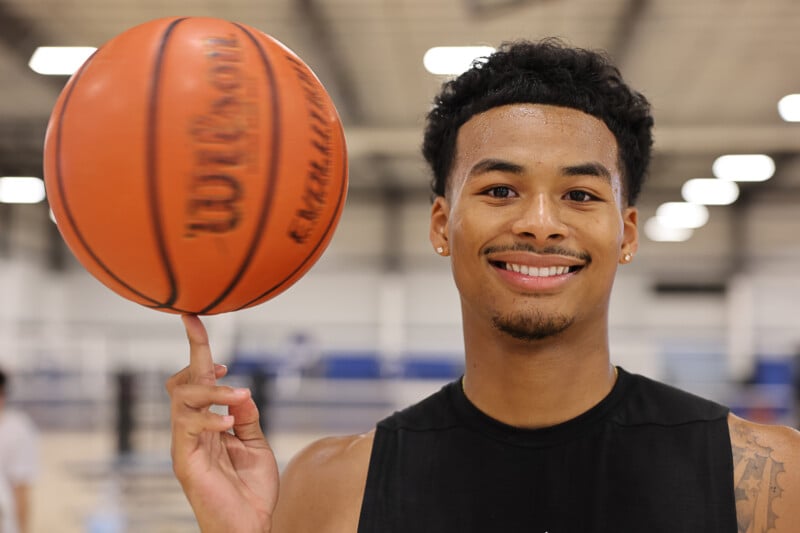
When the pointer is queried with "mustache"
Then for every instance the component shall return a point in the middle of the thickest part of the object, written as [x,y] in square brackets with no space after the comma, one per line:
[547,250]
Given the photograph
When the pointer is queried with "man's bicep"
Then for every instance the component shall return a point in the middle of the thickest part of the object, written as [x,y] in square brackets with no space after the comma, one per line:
[766,477]
[322,487]
[787,483]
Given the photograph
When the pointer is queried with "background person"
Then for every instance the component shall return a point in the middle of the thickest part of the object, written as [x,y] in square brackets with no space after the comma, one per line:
[19,463]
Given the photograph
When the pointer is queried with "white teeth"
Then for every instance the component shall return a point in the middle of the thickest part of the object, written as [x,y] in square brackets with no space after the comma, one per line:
[543,272]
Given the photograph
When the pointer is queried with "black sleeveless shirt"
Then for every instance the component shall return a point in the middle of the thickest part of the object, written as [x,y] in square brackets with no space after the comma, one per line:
[648,458]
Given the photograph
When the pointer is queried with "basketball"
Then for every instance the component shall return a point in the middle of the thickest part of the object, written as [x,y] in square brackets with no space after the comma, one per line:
[195,165]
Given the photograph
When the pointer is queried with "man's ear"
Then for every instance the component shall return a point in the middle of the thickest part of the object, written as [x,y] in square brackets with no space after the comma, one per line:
[440,212]
[630,231]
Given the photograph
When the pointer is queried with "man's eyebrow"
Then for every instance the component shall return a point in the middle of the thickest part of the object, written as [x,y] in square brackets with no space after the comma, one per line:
[592,168]
[495,165]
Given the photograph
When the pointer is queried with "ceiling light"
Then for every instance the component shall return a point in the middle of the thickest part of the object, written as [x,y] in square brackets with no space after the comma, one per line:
[682,215]
[21,190]
[59,60]
[710,191]
[656,231]
[453,60]
[789,108]
[744,167]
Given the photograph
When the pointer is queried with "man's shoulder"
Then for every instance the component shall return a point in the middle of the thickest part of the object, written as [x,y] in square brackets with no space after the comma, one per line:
[651,401]
[777,443]
[766,472]
[336,453]
[323,485]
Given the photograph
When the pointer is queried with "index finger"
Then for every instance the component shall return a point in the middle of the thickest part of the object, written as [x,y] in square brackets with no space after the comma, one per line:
[201,364]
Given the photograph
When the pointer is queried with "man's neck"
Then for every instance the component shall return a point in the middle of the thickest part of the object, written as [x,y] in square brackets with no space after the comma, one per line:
[536,384]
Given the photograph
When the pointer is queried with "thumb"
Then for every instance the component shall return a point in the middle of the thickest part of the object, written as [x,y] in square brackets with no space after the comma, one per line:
[246,424]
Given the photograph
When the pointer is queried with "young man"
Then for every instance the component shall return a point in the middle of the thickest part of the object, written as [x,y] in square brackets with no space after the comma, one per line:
[538,156]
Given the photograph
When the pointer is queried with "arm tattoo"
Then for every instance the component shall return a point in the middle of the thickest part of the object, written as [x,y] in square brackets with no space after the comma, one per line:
[755,478]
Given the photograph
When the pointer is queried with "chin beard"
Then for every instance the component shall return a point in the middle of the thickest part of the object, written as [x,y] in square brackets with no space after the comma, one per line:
[531,326]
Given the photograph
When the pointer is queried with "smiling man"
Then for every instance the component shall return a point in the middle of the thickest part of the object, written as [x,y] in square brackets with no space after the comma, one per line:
[538,156]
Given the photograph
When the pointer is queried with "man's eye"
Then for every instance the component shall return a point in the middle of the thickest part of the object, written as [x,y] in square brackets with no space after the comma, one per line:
[500,191]
[580,196]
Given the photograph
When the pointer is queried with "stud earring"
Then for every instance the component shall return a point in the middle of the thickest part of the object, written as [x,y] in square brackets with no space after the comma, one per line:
[440,250]
[627,258]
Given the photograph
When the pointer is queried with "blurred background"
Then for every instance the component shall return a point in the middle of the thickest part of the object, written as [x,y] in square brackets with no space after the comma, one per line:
[709,304]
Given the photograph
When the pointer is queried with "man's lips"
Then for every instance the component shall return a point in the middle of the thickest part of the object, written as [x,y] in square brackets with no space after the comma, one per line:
[541,271]
[541,279]
[532,271]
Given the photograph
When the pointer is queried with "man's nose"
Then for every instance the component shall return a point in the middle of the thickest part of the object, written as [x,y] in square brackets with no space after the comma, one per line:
[541,219]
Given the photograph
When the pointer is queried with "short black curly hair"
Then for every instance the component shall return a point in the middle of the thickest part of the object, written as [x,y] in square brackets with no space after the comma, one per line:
[544,72]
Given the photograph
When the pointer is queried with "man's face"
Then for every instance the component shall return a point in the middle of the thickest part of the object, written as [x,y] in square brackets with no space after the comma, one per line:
[534,219]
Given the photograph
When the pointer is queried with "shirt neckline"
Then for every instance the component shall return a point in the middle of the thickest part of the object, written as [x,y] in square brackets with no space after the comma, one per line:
[479,421]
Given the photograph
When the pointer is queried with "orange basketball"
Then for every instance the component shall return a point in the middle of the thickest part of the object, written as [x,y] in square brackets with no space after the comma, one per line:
[195,165]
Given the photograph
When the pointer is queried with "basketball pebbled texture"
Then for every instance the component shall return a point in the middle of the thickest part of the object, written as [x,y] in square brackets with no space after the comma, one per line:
[195,165]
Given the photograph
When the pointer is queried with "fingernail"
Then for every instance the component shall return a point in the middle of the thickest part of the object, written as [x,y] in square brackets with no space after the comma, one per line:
[220,365]
[228,419]
[241,392]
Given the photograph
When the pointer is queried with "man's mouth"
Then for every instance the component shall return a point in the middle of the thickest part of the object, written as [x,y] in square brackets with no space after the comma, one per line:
[539,272]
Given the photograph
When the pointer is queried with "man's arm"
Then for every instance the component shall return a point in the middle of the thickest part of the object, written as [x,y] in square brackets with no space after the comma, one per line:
[766,477]
[323,485]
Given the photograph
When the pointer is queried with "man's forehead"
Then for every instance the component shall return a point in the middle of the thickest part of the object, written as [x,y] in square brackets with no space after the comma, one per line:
[538,115]
[560,137]
[535,129]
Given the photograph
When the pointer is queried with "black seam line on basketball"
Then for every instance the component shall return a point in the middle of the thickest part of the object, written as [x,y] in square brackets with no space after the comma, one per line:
[160,307]
[331,224]
[62,192]
[269,191]
[151,156]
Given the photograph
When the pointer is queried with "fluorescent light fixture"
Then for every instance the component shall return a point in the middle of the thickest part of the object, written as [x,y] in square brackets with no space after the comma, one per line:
[59,60]
[21,190]
[744,167]
[682,215]
[656,231]
[789,108]
[710,191]
[453,60]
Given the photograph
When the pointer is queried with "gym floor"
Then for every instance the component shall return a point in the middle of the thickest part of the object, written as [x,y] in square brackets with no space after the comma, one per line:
[84,488]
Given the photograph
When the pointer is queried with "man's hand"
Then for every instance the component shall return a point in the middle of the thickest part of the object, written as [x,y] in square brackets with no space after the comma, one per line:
[230,479]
